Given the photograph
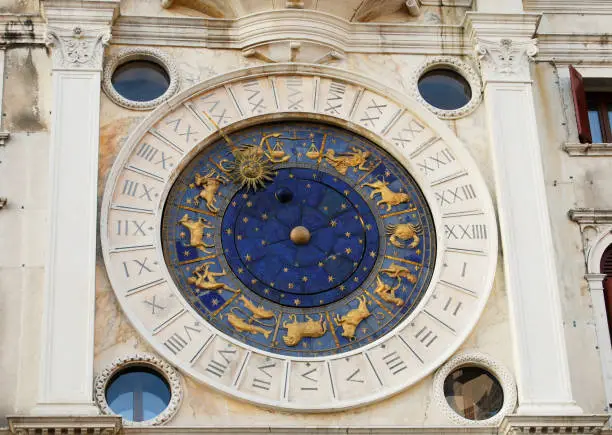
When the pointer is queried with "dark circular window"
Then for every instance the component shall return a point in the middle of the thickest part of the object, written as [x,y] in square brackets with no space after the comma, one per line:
[473,393]
[445,89]
[138,393]
[140,80]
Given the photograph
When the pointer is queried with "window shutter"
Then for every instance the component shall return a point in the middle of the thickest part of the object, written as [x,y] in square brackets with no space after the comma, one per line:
[580,106]
[605,266]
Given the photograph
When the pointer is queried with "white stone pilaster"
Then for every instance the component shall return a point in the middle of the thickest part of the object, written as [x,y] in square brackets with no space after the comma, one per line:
[596,289]
[77,32]
[541,362]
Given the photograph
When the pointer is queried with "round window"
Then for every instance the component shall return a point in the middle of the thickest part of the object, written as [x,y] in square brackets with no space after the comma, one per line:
[138,393]
[140,80]
[473,393]
[445,89]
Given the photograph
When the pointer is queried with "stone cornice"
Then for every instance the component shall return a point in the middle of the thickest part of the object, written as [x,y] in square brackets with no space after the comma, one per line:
[525,424]
[569,6]
[585,216]
[101,425]
[312,430]
[290,24]
[82,12]
[498,26]
[21,29]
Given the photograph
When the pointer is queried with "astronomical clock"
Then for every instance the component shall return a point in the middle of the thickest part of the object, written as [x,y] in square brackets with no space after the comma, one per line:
[302,241]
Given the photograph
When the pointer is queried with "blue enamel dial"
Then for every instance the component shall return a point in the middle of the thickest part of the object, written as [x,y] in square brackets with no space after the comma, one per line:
[298,238]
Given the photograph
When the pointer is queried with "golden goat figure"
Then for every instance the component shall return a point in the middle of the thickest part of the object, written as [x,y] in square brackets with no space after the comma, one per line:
[351,320]
[298,330]
[387,196]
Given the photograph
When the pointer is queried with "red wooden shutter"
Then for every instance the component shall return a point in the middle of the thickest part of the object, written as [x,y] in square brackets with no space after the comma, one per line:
[580,106]
[605,266]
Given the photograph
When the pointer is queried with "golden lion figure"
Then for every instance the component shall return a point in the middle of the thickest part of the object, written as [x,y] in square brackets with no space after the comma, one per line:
[351,320]
[241,326]
[404,232]
[258,312]
[196,232]
[298,330]
[387,293]
[397,271]
[210,185]
[387,196]
[206,280]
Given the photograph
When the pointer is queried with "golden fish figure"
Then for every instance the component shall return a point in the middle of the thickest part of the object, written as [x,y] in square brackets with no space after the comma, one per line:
[298,330]
[210,185]
[258,312]
[404,232]
[397,271]
[387,196]
[387,293]
[205,279]
[196,232]
[351,320]
[241,326]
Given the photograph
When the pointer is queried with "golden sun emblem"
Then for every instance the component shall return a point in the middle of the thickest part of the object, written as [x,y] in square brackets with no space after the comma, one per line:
[251,168]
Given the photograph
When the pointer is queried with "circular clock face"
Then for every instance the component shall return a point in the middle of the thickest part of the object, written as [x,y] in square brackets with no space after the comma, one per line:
[326,247]
[298,238]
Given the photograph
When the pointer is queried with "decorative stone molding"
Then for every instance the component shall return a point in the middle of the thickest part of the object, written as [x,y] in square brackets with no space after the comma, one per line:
[595,224]
[478,359]
[101,425]
[583,424]
[78,48]
[294,51]
[140,53]
[505,59]
[457,65]
[588,149]
[147,360]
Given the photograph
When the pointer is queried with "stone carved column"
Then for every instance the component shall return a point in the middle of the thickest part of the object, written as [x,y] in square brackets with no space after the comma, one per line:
[529,258]
[77,33]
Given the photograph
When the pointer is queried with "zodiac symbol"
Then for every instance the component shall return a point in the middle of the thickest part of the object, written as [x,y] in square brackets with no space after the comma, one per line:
[277,153]
[397,271]
[250,168]
[241,326]
[351,320]
[387,196]
[404,232]
[206,280]
[210,185]
[298,330]
[341,162]
[387,293]
[258,312]
[196,230]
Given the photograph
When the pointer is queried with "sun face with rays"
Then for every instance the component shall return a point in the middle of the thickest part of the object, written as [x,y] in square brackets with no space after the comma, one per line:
[251,168]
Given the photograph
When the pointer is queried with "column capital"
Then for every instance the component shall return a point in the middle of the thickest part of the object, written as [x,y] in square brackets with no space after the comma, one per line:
[504,44]
[595,280]
[78,31]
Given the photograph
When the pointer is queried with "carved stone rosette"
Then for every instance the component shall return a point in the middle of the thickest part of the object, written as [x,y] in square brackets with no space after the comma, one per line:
[506,59]
[478,359]
[77,48]
[146,360]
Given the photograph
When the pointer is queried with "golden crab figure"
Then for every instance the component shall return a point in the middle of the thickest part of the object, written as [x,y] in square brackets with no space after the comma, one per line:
[251,168]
